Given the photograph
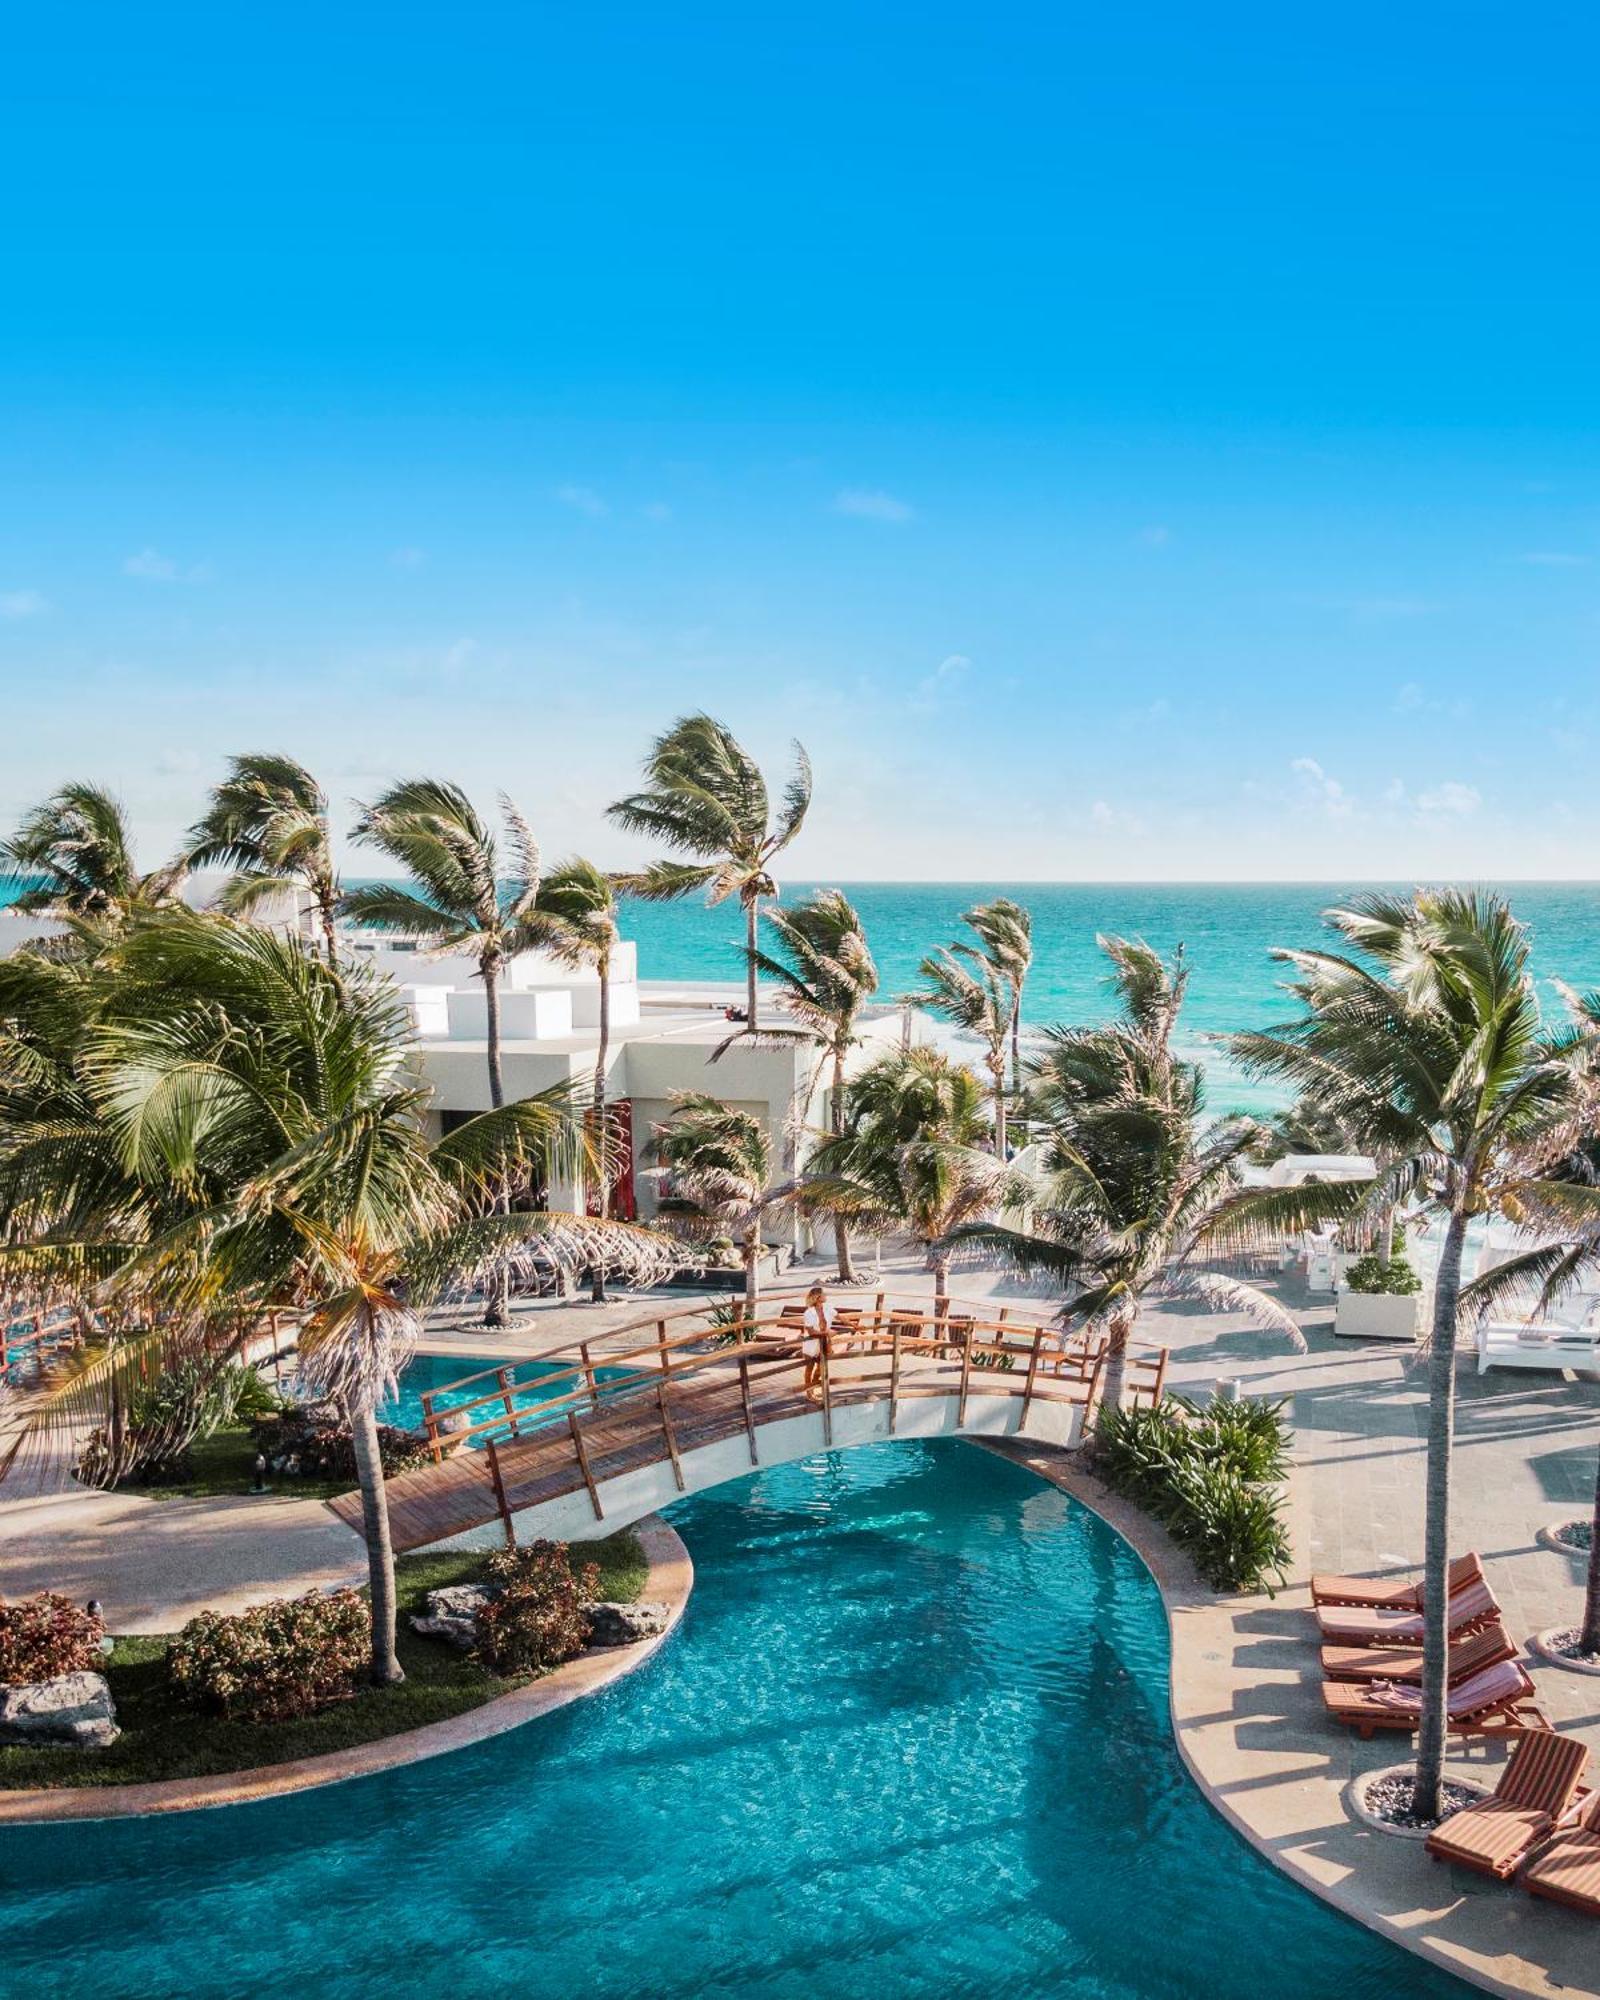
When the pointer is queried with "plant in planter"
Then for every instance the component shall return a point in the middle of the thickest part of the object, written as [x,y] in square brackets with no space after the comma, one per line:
[1379,1277]
[1379,1300]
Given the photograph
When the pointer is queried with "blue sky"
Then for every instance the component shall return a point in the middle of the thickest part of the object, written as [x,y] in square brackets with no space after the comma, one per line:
[1118,442]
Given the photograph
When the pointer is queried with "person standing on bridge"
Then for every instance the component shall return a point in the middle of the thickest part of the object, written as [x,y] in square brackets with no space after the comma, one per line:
[815,1322]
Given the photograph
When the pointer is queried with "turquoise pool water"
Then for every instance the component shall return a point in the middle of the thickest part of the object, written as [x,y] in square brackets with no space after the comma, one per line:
[434,1371]
[909,1742]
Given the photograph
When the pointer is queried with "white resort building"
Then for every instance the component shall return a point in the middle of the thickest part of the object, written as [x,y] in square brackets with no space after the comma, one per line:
[665,1038]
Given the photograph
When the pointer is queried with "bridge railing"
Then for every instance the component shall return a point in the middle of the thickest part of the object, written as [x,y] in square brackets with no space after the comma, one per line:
[871,1350]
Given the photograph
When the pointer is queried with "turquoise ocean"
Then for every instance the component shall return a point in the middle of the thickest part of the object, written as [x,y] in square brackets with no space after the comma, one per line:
[1228,930]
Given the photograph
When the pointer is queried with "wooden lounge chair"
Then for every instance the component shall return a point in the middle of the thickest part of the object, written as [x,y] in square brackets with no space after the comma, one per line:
[1360,1625]
[1534,1791]
[1390,1594]
[1468,1655]
[1567,1869]
[1496,1702]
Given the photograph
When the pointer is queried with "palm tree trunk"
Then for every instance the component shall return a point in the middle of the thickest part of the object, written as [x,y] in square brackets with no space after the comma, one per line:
[1436,1533]
[1016,1040]
[498,1311]
[1386,1242]
[491,1008]
[841,1229]
[330,942]
[1589,1630]
[939,1265]
[597,1290]
[752,1271]
[386,1667]
[752,912]
[1112,1381]
[997,1070]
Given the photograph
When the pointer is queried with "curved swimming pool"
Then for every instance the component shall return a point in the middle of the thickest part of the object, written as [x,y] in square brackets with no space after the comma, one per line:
[910,1740]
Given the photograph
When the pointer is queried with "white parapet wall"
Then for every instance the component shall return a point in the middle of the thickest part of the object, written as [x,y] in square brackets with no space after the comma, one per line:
[633,1495]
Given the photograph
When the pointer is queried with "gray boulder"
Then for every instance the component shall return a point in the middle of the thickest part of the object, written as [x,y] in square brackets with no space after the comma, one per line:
[452,1614]
[74,1710]
[627,1624]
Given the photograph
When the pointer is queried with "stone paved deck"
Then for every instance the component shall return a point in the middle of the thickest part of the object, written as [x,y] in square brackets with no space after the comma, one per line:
[1246,1705]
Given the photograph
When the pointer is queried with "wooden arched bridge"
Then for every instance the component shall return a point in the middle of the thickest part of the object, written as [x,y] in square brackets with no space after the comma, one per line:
[607,1432]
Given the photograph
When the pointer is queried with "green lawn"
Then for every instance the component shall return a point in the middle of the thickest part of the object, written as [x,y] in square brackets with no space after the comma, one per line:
[162,1739]
[224,1464]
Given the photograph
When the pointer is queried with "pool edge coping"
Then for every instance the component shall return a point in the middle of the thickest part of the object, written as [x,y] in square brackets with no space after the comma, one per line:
[1180,1589]
[670,1582]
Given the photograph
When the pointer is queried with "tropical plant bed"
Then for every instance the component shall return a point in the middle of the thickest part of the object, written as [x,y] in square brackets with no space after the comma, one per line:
[223,1466]
[1573,1537]
[1213,1477]
[162,1738]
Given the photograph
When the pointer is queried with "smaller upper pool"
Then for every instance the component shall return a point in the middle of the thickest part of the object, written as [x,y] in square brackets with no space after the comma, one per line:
[433,1374]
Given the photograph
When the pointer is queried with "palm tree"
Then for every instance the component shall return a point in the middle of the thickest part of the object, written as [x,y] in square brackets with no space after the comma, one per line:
[575,918]
[1569,1257]
[268,823]
[909,1159]
[823,969]
[704,795]
[1423,1036]
[1131,1177]
[72,857]
[268,1118]
[720,1161]
[459,903]
[979,988]
[1006,929]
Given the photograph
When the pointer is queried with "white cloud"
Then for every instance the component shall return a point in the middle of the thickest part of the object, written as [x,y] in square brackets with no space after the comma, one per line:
[656,510]
[1410,697]
[153,567]
[1321,790]
[23,604]
[583,500]
[1556,559]
[1156,536]
[871,504]
[408,558]
[1451,800]
[945,679]
[1104,817]
[177,763]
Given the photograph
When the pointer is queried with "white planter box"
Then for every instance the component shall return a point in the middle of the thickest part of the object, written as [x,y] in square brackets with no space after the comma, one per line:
[1377,1315]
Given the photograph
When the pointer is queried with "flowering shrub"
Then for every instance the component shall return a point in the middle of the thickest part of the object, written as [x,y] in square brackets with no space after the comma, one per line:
[537,1620]
[312,1441]
[46,1636]
[274,1663]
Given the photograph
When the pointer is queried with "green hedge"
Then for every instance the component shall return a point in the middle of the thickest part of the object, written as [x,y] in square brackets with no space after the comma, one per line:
[1212,1477]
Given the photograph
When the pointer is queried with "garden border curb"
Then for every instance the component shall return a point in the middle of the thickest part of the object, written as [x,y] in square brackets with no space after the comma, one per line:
[670,1581]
